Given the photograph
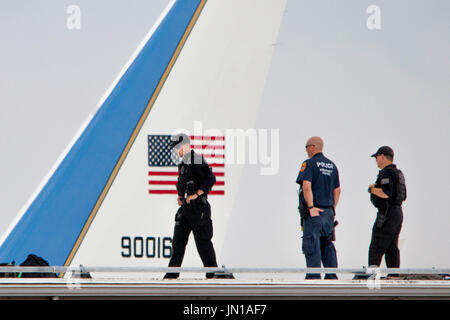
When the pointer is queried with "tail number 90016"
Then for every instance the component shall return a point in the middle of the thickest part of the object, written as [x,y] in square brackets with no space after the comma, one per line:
[149,247]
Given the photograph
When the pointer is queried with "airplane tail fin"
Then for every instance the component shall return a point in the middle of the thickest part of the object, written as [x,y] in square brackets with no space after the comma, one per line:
[191,60]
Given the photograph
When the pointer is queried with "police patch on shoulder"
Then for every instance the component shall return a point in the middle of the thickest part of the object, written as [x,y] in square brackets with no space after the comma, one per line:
[385,181]
[303,167]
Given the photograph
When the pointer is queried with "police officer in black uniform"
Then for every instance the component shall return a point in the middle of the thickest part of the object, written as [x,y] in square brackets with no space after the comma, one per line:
[195,180]
[387,195]
[319,194]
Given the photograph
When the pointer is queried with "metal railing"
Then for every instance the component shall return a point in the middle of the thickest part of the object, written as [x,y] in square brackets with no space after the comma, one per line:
[223,269]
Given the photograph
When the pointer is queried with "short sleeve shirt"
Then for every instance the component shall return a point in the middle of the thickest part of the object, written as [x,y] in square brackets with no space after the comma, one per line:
[386,179]
[324,177]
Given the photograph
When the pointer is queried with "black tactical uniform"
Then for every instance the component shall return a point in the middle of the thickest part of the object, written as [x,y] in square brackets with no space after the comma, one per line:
[387,227]
[193,174]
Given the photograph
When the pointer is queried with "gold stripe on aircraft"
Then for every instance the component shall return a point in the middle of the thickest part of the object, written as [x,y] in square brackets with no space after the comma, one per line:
[135,133]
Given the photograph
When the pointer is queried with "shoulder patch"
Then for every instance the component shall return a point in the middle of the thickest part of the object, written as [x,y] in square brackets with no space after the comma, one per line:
[385,181]
[303,166]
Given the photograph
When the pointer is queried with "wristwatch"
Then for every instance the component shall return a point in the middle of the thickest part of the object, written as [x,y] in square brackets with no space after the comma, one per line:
[311,207]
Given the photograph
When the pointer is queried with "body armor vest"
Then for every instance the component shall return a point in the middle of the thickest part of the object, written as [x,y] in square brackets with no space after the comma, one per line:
[399,188]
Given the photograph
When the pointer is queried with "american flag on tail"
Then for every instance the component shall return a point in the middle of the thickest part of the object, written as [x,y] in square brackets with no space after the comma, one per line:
[163,163]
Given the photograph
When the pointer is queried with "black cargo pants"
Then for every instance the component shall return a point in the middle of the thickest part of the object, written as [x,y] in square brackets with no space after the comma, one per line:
[195,217]
[385,240]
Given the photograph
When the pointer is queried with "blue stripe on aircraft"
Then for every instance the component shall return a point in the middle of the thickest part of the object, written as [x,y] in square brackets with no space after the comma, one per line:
[53,222]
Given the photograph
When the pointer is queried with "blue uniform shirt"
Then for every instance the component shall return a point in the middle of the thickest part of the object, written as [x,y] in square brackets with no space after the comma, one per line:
[324,177]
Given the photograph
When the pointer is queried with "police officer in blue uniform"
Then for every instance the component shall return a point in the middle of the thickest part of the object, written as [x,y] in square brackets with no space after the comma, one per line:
[387,195]
[195,180]
[319,195]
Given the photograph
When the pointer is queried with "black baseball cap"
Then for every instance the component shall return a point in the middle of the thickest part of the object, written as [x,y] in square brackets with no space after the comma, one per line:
[387,151]
[178,140]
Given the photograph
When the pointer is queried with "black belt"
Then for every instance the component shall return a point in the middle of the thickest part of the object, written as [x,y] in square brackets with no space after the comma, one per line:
[324,207]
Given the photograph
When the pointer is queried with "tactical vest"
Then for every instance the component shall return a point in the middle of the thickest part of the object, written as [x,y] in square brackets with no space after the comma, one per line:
[188,183]
[399,188]
[185,184]
[399,192]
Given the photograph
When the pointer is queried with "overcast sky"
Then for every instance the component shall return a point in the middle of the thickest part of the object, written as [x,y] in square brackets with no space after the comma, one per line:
[361,87]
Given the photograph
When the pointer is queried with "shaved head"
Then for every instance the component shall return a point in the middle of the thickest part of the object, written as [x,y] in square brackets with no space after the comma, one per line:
[317,142]
[313,146]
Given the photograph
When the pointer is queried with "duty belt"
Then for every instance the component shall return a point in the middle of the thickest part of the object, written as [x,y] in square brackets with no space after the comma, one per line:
[324,207]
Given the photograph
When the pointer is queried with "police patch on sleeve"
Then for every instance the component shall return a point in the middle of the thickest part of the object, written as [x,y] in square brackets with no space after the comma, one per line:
[385,181]
[303,167]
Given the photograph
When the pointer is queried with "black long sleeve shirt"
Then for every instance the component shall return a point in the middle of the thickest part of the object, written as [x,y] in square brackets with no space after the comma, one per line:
[200,171]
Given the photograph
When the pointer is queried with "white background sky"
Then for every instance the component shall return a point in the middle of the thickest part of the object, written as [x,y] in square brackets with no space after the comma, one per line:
[330,76]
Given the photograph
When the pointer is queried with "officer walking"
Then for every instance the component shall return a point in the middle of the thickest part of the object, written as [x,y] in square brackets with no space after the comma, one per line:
[195,180]
[319,195]
[387,195]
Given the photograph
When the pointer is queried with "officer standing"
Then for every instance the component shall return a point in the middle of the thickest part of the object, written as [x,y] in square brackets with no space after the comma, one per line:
[387,195]
[319,195]
[195,180]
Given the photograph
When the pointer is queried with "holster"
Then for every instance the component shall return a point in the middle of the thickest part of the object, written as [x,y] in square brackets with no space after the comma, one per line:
[382,217]
[304,212]
[302,217]
[326,240]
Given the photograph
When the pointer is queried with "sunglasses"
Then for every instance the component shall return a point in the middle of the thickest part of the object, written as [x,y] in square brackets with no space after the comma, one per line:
[309,145]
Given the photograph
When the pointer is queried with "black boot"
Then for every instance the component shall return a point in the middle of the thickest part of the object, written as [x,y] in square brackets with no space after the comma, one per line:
[171,276]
